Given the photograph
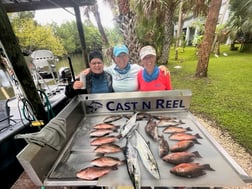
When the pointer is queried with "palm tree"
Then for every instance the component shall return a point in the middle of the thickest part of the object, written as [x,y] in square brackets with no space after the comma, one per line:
[240,26]
[205,47]
[163,11]
[127,24]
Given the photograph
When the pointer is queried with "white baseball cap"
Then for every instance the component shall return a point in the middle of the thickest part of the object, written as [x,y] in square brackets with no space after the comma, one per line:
[147,50]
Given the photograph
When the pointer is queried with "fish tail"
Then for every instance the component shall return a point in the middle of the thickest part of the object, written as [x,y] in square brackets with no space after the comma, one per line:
[198,136]
[123,162]
[188,129]
[207,167]
[181,122]
[196,142]
[196,153]
[115,167]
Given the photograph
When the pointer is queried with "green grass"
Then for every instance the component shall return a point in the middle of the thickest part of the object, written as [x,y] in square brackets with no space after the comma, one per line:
[225,96]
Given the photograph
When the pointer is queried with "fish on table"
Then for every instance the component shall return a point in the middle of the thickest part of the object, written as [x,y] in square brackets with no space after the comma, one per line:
[184,136]
[172,122]
[92,173]
[107,161]
[101,132]
[133,167]
[151,129]
[112,118]
[181,157]
[190,170]
[146,155]
[175,129]
[128,126]
[182,145]
[159,117]
[108,148]
[106,126]
[103,140]
[163,146]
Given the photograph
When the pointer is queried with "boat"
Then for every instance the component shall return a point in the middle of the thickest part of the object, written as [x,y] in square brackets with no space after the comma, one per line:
[16,116]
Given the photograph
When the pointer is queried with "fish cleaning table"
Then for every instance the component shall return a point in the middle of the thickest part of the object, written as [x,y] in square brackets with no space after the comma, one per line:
[48,167]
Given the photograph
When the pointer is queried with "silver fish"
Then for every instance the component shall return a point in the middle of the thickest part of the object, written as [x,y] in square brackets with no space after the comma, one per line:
[151,129]
[146,155]
[133,168]
[129,125]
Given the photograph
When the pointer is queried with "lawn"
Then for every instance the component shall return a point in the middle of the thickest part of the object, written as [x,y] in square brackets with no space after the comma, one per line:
[225,96]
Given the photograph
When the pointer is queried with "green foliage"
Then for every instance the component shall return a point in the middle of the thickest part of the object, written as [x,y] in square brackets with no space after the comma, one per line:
[240,25]
[225,95]
[32,36]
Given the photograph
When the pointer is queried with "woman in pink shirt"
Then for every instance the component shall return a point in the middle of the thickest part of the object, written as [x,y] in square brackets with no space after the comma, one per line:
[151,78]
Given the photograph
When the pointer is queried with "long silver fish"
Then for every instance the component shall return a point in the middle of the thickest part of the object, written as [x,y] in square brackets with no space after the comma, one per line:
[146,155]
[129,125]
[132,165]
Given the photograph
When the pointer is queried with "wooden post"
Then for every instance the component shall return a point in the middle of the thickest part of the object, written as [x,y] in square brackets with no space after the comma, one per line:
[19,65]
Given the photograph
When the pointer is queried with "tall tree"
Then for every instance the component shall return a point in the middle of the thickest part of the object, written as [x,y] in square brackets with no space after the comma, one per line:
[95,10]
[163,11]
[127,24]
[205,47]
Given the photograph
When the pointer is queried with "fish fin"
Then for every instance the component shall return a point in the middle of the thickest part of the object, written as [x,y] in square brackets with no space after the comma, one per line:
[188,129]
[197,154]
[197,135]
[181,122]
[196,141]
[207,167]
[100,154]
[115,167]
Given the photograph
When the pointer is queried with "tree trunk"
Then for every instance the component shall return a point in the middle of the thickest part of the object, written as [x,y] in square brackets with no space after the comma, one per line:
[167,36]
[178,38]
[12,48]
[81,35]
[128,28]
[205,47]
[99,24]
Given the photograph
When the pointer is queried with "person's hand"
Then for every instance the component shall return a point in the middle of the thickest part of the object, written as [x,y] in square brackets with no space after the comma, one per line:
[86,71]
[164,69]
[78,85]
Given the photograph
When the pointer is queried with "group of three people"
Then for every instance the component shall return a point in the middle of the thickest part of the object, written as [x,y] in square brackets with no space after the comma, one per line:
[122,76]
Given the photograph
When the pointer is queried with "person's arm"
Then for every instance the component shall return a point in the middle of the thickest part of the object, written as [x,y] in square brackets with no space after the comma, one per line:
[74,89]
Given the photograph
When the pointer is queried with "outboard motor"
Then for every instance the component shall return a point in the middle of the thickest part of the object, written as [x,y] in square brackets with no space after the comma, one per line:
[65,74]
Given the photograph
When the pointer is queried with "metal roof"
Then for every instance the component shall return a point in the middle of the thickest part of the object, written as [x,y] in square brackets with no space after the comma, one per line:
[31,5]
